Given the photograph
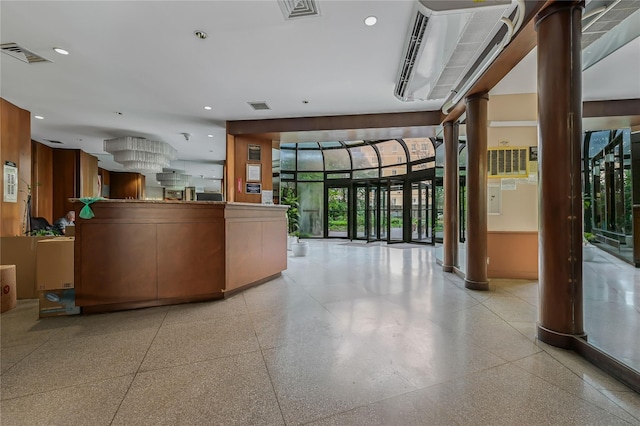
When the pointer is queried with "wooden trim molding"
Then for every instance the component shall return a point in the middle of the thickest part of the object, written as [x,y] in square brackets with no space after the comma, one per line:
[335,122]
[611,108]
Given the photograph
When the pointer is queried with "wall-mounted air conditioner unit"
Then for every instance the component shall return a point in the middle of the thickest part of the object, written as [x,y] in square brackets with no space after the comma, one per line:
[445,39]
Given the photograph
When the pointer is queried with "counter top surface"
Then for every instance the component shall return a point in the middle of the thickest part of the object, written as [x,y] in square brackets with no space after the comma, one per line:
[218,203]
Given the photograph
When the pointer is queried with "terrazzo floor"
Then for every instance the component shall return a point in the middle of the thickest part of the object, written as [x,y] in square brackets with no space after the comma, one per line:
[346,336]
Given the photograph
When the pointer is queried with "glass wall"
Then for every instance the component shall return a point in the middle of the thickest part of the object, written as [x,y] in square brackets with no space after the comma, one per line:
[356,189]
[608,191]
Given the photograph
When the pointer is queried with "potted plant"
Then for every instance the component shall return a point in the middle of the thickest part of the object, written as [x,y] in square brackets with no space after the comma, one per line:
[293,216]
[588,249]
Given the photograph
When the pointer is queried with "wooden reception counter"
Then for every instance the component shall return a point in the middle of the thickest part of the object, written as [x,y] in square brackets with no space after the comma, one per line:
[135,254]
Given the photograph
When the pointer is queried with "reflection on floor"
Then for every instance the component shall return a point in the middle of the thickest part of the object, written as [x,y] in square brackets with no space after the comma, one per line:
[611,291]
[347,336]
[624,252]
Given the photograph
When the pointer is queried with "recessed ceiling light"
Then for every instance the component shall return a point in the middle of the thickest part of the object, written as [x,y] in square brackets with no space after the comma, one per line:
[200,34]
[370,21]
[209,136]
[39,117]
[60,51]
[207,108]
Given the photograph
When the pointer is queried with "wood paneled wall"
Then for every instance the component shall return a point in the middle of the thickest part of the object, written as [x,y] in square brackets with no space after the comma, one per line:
[60,174]
[75,174]
[42,181]
[66,180]
[88,175]
[126,185]
[512,255]
[15,146]
[237,174]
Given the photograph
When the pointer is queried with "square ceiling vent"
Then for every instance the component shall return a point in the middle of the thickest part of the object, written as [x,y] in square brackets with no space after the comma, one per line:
[292,9]
[22,54]
[259,106]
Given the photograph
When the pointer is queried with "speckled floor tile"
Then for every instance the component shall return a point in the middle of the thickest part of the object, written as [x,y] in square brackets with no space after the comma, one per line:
[115,322]
[426,354]
[224,309]
[507,395]
[511,308]
[433,299]
[227,391]
[281,297]
[332,376]
[410,409]
[184,343]
[295,326]
[21,325]
[349,335]
[487,330]
[583,369]
[90,404]
[527,329]
[11,355]
[628,401]
[61,363]
[549,369]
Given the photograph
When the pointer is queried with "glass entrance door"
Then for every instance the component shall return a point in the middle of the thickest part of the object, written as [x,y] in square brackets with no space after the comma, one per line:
[395,212]
[359,221]
[373,212]
[337,202]
[422,205]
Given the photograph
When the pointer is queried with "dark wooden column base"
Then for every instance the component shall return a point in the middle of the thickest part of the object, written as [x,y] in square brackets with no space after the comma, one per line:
[555,338]
[447,268]
[475,285]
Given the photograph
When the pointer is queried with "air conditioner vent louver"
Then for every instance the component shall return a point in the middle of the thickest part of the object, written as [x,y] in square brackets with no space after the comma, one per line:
[444,40]
[258,106]
[292,9]
[52,141]
[411,52]
[22,54]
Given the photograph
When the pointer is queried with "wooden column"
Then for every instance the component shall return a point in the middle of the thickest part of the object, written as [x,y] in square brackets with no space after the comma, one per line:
[560,195]
[451,182]
[476,271]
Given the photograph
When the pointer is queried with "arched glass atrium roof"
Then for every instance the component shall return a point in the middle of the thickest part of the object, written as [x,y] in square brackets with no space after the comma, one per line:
[359,159]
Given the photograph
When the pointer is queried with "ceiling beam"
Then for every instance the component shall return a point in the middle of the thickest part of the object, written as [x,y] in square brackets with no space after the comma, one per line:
[520,45]
[335,122]
[611,108]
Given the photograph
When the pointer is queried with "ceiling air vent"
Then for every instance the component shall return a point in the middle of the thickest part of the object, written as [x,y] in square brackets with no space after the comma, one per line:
[292,9]
[21,53]
[444,39]
[258,106]
[56,142]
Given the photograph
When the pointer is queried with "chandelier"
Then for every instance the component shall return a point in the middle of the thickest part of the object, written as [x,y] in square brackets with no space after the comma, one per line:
[175,179]
[140,154]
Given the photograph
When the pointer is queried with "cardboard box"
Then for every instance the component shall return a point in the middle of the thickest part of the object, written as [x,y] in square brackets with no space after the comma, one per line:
[55,303]
[7,287]
[21,251]
[54,263]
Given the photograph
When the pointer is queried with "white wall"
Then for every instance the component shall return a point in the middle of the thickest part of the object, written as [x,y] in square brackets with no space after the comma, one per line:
[513,124]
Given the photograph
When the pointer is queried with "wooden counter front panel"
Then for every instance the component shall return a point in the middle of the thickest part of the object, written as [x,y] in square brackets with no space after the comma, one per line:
[244,247]
[120,268]
[274,254]
[255,250]
[190,259]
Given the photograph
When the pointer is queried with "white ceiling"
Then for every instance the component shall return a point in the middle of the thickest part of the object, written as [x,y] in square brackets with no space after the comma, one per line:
[141,59]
